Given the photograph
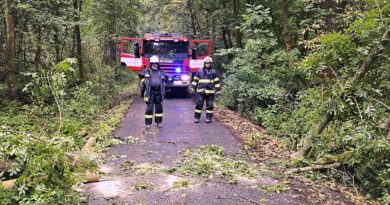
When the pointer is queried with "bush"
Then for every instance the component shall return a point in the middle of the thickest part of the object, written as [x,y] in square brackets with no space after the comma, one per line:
[36,136]
[291,97]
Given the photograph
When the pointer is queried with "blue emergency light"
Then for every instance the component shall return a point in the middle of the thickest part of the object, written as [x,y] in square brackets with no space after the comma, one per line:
[178,70]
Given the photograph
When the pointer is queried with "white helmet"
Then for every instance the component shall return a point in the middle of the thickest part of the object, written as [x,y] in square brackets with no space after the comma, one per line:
[207,60]
[154,59]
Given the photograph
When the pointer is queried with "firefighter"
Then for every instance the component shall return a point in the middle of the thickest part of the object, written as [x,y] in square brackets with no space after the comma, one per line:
[154,85]
[206,85]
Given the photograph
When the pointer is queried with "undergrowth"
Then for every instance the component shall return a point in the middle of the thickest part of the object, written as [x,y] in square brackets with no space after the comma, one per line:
[34,137]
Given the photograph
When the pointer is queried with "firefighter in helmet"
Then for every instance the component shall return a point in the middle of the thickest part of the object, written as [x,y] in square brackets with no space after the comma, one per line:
[154,85]
[206,85]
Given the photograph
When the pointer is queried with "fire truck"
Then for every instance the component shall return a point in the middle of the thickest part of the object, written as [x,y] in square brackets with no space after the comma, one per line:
[179,57]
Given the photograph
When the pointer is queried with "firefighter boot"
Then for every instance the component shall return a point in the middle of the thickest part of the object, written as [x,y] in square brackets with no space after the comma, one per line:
[196,120]
[208,120]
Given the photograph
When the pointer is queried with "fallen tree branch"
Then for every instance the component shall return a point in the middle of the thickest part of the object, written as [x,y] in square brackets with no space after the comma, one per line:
[88,147]
[248,199]
[82,133]
[314,168]
[88,178]
[363,70]
[9,184]
[91,177]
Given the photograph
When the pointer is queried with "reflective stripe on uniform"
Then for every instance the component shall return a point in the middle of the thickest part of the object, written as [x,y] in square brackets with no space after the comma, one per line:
[147,75]
[210,111]
[142,80]
[146,99]
[200,90]
[210,91]
[148,116]
[217,85]
[196,78]
[198,111]
[194,83]
[216,79]
[205,81]
[158,115]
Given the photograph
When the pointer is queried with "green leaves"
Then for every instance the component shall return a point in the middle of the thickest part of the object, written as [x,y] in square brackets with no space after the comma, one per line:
[30,138]
[210,161]
[292,96]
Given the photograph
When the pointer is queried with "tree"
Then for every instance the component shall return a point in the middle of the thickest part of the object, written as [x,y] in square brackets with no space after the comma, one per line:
[236,6]
[110,22]
[11,48]
[286,30]
[77,36]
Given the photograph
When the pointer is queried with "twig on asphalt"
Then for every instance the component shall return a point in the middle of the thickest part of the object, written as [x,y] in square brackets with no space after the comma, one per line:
[165,191]
[248,199]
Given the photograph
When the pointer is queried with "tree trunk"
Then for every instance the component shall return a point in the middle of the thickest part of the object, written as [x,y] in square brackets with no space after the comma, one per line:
[57,45]
[286,30]
[22,48]
[11,70]
[309,140]
[212,30]
[329,24]
[237,15]
[224,38]
[73,50]
[226,30]
[192,16]
[364,68]
[56,39]
[38,52]
[77,9]
[230,38]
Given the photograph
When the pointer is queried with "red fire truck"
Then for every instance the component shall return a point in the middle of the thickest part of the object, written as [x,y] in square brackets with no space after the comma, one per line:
[179,57]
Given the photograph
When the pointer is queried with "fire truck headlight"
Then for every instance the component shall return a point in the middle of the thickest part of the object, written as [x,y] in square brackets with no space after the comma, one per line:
[185,78]
[178,70]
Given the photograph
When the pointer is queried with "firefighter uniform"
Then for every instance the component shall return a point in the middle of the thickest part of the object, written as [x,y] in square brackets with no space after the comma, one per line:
[206,84]
[154,85]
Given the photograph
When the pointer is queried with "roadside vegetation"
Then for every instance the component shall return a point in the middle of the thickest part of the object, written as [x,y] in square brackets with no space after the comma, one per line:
[314,73]
[330,104]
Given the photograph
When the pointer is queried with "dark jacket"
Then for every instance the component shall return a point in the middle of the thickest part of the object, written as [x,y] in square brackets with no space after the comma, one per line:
[206,81]
[146,83]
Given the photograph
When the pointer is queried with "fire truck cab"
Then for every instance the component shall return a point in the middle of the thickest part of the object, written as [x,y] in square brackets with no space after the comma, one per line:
[179,57]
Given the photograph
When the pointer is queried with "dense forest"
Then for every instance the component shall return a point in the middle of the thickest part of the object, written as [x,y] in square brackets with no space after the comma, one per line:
[314,73]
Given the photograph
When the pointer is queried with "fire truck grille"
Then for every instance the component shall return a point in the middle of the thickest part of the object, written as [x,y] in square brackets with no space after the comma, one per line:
[172,68]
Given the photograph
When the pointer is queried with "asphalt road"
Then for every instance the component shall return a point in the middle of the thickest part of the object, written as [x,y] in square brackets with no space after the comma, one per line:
[162,147]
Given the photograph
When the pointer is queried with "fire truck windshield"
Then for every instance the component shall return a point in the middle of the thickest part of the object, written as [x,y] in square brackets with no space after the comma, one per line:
[167,49]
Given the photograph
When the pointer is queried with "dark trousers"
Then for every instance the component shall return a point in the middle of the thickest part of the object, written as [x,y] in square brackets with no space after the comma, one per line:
[154,103]
[199,101]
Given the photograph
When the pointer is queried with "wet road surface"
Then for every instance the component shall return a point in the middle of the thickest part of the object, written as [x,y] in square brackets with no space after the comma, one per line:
[162,147]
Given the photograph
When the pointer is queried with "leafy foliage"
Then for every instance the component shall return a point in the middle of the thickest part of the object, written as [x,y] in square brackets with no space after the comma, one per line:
[210,161]
[290,93]
[36,137]
[181,184]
